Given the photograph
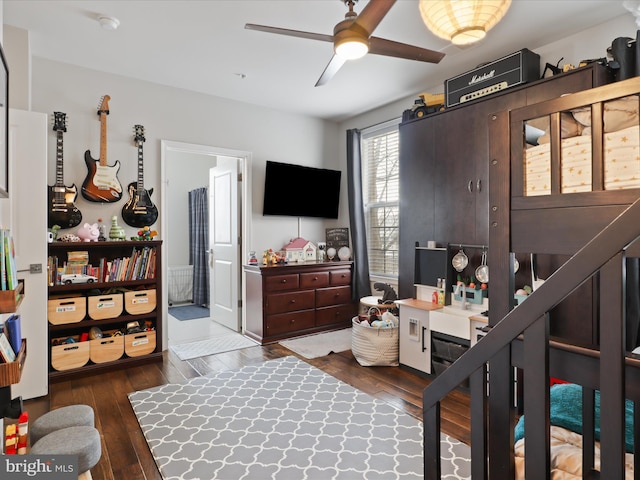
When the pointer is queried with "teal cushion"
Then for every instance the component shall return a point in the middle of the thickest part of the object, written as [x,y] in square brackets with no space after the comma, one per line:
[566,411]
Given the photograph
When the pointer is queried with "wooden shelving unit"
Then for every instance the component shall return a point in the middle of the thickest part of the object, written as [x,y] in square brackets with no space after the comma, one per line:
[109,251]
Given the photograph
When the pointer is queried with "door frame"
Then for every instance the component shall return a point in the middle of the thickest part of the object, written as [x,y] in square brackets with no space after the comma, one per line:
[166,148]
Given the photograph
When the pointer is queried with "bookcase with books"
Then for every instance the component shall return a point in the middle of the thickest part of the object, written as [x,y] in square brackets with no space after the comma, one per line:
[104,306]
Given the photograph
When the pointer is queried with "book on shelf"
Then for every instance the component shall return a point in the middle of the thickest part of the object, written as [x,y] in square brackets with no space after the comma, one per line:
[8,263]
[7,355]
[78,257]
[14,332]
[3,262]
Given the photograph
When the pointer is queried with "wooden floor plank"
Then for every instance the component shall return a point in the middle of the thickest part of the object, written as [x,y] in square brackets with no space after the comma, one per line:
[125,453]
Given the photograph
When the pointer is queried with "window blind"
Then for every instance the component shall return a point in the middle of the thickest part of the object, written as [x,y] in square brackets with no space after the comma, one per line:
[381,192]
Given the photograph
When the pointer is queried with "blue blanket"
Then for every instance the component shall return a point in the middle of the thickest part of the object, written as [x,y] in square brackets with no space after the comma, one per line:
[566,411]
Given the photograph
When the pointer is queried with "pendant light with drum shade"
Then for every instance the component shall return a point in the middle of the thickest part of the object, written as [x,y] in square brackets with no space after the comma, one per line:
[462,22]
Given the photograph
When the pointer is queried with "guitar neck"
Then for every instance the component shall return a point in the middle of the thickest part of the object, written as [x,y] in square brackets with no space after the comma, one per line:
[103,139]
[59,160]
[140,168]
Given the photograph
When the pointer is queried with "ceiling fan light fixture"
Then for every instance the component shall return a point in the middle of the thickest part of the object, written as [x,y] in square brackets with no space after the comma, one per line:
[462,22]
[351,48]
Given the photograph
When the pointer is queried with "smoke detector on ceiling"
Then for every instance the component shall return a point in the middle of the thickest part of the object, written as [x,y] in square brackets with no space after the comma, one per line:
[108,23]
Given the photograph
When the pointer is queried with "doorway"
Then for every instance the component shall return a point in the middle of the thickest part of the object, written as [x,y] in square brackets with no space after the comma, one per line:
[185,167]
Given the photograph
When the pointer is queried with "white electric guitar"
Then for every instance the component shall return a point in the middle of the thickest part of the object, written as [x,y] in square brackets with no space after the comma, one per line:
[101,183]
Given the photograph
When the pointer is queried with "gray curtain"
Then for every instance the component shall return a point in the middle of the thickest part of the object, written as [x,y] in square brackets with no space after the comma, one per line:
[199,244]
[361,283]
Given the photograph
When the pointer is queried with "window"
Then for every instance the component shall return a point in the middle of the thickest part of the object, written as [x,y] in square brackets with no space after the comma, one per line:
[381,191]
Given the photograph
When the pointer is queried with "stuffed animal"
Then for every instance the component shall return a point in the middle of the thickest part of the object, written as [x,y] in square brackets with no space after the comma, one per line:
[69,237]
[89,232]
[389,295]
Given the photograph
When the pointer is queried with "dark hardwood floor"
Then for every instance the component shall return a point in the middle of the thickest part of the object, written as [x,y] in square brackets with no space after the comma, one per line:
[125,454]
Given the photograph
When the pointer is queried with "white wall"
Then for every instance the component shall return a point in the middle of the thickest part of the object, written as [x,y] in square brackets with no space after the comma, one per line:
[186,172]
[182,116]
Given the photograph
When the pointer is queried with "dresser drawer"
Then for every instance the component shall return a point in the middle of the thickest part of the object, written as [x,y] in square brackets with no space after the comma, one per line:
[340,277]
[326,297]
[331,315]
[289,302]
[314,280]
[289,322]
[278,283]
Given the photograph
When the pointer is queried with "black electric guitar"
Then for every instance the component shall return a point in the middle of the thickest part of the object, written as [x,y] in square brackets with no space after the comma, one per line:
[101,183]
[62,209]
[139,211]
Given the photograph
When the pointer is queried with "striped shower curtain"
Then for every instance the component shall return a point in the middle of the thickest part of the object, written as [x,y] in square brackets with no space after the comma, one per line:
[199,243]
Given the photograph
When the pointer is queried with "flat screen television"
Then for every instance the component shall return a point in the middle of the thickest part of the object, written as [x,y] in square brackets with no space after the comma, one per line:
[299,191]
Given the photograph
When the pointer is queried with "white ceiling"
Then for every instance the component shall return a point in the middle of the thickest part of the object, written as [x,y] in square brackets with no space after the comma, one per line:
[203,46]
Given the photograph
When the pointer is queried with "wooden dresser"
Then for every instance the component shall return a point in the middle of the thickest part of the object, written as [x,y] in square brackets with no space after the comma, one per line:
[296,299]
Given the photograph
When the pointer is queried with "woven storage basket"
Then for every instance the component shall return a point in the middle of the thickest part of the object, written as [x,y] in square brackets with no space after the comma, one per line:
[374,347]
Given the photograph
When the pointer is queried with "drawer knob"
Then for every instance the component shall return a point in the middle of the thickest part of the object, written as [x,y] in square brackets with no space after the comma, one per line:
[315,278]
[293,301]
[284,280]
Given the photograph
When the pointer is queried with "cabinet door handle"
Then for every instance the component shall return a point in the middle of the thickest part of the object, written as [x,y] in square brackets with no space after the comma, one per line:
[470,186]
[479,184]
[424,329]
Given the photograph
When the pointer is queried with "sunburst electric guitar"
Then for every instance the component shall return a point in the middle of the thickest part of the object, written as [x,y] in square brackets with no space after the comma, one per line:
[101,183]
[139,211]
[62,209]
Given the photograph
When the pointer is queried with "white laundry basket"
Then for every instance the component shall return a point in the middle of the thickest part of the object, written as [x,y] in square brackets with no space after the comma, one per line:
[375,347]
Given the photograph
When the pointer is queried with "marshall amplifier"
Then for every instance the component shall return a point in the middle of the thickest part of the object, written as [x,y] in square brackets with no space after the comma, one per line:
[515,69]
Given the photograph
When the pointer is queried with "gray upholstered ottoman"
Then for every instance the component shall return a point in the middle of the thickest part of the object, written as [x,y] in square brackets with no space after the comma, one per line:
[70,416]
[81,441]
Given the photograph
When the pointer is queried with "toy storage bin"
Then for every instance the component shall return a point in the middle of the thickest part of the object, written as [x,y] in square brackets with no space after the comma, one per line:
[66,309]
[70,355]
[138,302]
[106,349]
[105,306]
[137,344]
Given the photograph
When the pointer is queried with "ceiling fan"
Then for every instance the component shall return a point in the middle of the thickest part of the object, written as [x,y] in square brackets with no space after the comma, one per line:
[352,38]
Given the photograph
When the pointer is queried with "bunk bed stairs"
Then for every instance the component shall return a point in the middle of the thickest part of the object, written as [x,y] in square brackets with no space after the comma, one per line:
[521,336]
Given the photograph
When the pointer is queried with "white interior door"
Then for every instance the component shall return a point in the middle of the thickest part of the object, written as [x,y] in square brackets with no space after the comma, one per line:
[27,187]
[224,245]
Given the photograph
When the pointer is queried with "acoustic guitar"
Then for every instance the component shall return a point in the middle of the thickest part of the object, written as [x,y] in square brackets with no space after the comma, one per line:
[101,183]
[62,209]
[139,211]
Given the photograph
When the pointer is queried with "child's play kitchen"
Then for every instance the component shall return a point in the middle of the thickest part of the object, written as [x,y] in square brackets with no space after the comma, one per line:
[449,312]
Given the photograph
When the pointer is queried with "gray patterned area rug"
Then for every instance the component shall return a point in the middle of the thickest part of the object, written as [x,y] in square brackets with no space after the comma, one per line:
[211,346]
[283,419]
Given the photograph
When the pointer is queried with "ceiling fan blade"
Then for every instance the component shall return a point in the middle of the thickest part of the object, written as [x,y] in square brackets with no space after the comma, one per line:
[330,70]
[381,46]
[291,33]
[373,13]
